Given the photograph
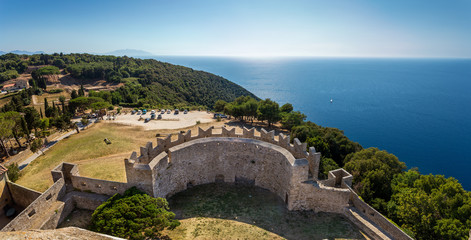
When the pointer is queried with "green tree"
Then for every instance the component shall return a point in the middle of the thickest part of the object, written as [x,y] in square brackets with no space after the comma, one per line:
[269,110]
[292,119]
[134,215]
[32,118]
[74,94]
[286,108]
[6,126]
[36,145]
[13,172]
[17,129]
[219,105]
[373,171]
[62,100]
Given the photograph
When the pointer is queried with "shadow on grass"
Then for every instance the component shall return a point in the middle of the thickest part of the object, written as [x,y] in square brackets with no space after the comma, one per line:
[259,207]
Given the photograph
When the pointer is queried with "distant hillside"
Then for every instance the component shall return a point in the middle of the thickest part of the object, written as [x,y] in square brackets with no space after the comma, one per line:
[143,81]
[130,53]
[21,52]
[2,52]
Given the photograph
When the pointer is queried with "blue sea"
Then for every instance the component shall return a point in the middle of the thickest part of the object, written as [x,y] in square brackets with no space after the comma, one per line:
[417,109]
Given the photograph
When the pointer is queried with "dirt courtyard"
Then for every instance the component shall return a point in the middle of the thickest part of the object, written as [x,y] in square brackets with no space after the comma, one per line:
[168,121]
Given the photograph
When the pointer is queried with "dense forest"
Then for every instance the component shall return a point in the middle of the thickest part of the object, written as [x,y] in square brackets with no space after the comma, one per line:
[146,81]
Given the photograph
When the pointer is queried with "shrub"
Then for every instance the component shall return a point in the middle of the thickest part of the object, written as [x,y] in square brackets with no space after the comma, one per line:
[55,90]
[133,215]
[13,172]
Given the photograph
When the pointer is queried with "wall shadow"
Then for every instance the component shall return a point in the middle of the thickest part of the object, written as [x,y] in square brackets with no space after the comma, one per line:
[262,208]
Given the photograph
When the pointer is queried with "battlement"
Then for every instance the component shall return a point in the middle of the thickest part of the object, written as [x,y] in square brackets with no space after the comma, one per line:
[297,149]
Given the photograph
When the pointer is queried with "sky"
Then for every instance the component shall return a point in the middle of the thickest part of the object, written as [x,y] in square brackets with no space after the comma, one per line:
[253,28]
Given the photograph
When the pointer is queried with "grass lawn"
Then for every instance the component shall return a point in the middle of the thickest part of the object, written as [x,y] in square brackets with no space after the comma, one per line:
[95,158]
[224,211]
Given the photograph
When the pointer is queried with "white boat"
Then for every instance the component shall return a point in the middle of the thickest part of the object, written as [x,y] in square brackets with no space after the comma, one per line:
[331,100]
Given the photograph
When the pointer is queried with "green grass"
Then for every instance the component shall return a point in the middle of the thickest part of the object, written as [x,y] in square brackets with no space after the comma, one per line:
[223,211]
[87,145]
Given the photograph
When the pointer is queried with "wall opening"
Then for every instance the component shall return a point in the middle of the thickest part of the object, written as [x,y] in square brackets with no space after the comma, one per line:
[219,178]
[49,196]
[286,198]
[30,214]
[190,184]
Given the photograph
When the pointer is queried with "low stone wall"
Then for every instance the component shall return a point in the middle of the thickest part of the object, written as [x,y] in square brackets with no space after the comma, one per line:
[22,196]
[34,216]
[320,198]
[377,218]
[98,186]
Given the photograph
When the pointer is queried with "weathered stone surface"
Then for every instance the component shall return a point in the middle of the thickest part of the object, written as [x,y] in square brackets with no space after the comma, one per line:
[69,233]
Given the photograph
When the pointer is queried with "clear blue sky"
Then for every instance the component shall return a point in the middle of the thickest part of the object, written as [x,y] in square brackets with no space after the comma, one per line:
[352,28]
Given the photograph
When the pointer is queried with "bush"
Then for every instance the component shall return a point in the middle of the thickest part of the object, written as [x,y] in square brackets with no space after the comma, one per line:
[133,215]
[55,90]
[13,172]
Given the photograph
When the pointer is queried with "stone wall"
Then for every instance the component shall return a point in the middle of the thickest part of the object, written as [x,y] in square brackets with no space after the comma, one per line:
[297,149]
[5,197]
[40,211]
[225,159]
[377,218]
[22,196]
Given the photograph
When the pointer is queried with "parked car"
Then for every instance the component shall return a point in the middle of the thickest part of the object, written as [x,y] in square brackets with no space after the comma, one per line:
[162,112]
[139,112]
[185,112]
[176,111]
[144,111]
[147,120]
[169,111]
[133,112]
[159,117]
[152,116]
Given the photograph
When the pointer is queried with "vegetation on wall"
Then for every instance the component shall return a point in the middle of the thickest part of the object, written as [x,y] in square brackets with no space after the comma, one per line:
[134,215]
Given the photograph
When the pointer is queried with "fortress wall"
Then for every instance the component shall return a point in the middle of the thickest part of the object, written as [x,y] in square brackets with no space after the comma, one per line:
[377,218]
[208,160]
[297,149]
[22,196]
[5,196]
[320,199]
[98,186]
[38,212]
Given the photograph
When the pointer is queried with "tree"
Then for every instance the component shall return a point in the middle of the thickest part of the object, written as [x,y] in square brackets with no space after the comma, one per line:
[81,91]
[36,145]
[250,108]
[134,215]
[17,129]
[46,108]
[269,110]
[13,172]
[100,105]
[6,126]
[62,100]
[373,171]
[431,206]
[219,105]
[286,108]
[32,118]
[292,119]
[74,94]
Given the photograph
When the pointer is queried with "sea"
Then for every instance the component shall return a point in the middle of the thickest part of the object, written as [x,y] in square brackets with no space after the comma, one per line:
[416,109]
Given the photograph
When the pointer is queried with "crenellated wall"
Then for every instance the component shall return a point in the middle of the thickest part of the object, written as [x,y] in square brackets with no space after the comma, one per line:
[261,159]
[208,160]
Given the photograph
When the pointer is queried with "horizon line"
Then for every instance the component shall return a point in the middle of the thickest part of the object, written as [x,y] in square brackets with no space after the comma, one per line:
[253,56]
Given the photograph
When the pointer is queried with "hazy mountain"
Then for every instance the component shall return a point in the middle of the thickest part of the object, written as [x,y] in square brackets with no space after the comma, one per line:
[21,52]
[2,52]
[130,53]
